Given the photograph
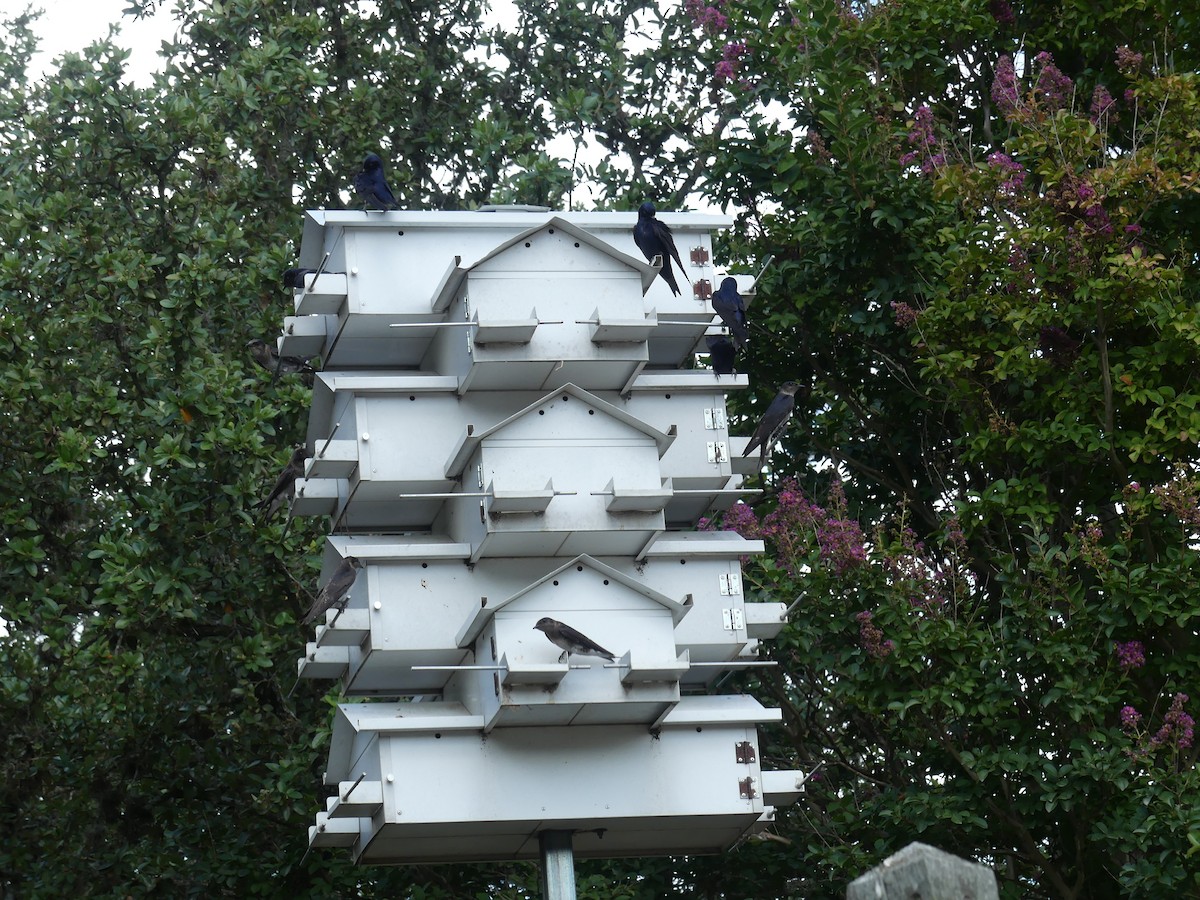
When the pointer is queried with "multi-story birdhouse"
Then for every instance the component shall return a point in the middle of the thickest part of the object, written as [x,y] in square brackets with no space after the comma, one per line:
[510,433]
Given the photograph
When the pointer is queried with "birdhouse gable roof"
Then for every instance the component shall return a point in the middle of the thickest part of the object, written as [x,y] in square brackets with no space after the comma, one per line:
[469,442]
[452,279]
[487,611]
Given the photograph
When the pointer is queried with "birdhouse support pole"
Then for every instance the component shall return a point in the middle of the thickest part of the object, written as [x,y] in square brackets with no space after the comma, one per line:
[558,865]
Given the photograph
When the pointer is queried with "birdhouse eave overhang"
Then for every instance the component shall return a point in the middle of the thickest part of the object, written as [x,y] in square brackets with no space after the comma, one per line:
[487,611]
[469,443]
[457,272]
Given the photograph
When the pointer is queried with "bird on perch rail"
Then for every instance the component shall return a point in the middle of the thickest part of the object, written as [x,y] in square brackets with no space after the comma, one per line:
[570,640]
[294,278]
[267,356]
[774,422]
[654,239]
[721,354]
[337,589]
[728,304]
[283,484]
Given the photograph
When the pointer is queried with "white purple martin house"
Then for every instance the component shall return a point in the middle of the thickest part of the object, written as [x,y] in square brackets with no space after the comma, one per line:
[508,433]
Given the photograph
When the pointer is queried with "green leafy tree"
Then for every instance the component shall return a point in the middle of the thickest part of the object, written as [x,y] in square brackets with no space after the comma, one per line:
[150,743]
[986,273]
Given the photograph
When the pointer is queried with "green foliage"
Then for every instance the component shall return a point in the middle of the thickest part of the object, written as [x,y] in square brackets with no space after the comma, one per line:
[993,296]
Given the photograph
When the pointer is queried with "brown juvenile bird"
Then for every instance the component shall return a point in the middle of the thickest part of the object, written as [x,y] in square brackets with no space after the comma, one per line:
[283,484]
[774,422]
[337,589]
[268,357]
[570,640]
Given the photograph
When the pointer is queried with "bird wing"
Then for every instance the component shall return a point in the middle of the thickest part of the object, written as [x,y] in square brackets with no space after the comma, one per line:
[662,231]
[338,585]
[582,640]
[777,413]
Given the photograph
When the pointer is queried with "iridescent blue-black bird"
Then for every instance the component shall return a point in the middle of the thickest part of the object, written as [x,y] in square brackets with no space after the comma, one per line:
[727,303]
[372,187]
[283,484]
[721,354]
[774,423]
[570,640]
[654,239]
[294,278]
[337,589]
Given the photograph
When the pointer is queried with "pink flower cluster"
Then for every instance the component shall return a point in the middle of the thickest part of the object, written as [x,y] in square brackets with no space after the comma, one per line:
[1079,201]
[1091,549]
[817,146]
[925,146]
[1005,94]
[731,61]
[1176,724]
[1052,85]
[1178,728]
[905,315]
[870,637]
[1130,718]
[1002,12]
[791,527]
[707,16]
[1102,105]
[1130,655]
[1011,170]
[1128,62]
[1181,497]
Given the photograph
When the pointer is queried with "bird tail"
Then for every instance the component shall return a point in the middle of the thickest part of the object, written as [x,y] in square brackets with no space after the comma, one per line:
[669,277]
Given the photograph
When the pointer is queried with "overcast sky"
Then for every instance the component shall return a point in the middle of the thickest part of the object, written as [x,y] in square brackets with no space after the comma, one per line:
[70,25]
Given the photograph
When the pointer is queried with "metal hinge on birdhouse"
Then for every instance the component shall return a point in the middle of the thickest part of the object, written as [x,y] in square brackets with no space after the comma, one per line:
[699,256]
[717,452]
[744,751]
[731,584]
[746,788]
[714,418]
[702,289]
[733,619]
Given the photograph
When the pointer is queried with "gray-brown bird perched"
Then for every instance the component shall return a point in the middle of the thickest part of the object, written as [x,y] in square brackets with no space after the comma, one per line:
[570,640]
[268,357]
[337,589]
[283,484]
[774,422]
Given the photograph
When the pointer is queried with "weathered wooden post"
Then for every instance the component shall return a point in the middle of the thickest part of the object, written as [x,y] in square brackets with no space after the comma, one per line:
[922,872]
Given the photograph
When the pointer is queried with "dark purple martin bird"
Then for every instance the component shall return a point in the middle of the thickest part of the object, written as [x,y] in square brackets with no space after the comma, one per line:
[294,278]
[570,640]
[337,589]
[721,353]
[268,357]
[372,187]
[654,239]
[774,422]
[283,484]
[727,303]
